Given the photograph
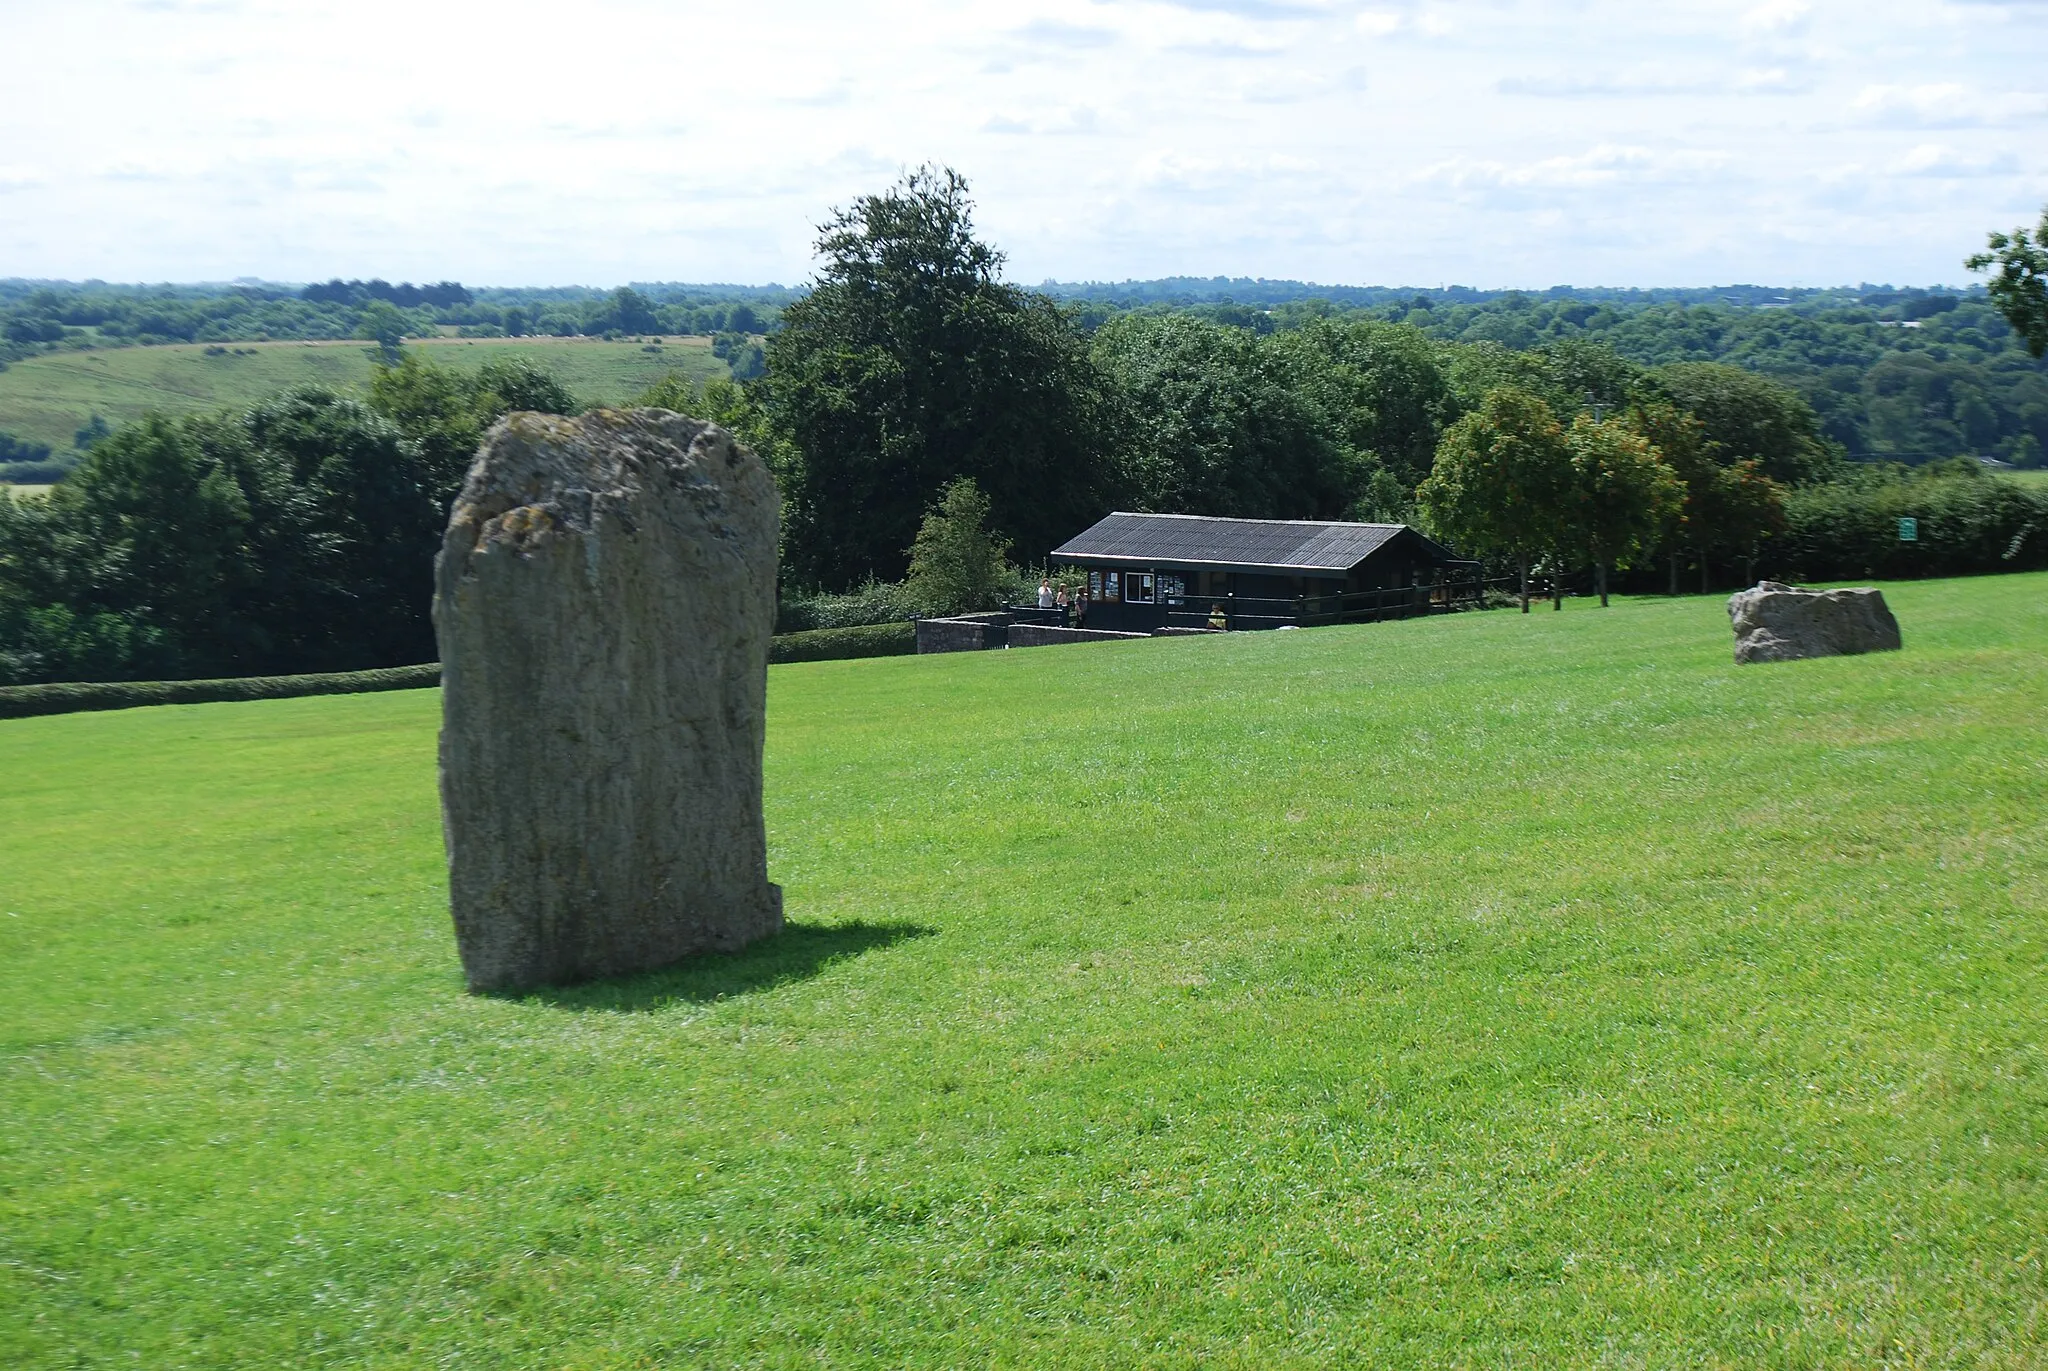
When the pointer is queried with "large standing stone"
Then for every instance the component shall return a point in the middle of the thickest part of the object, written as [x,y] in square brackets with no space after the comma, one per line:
[1781,623]
[604,599]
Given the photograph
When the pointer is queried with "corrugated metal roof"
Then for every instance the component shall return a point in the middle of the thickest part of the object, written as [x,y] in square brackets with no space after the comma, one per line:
[1193,539]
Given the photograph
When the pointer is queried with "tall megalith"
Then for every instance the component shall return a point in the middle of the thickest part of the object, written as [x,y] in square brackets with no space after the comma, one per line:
[604,598]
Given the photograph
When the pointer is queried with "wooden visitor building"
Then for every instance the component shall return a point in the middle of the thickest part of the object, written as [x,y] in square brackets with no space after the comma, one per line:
[1147,572]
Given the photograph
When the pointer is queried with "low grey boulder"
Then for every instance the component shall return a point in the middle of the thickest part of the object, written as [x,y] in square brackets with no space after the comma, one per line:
[604,599]
[1781,623]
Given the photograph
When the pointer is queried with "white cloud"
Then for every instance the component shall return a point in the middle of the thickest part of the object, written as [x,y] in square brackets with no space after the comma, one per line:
[1058,33]
[1947,105]
[1075,119]
[1772,81]
[1600,167]
[1422,21]
[1775,16]
[296,139]
[1640,82]
[1936,159]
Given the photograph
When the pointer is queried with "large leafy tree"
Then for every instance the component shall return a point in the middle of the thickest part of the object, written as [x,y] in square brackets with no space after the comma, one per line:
[2020,289]
[912,364]
[1747,417]
[1228,423]
[1395,398]
[147,543]
[1728,507]
[445,410]
[1501,485]
[1621,497]
[366,498]
[628,310]
[1567,374]
[295,536]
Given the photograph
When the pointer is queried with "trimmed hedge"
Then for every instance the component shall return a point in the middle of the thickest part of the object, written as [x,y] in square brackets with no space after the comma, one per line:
[71,697]
[68,697]
[877,602]
[1968,523]
[833,644]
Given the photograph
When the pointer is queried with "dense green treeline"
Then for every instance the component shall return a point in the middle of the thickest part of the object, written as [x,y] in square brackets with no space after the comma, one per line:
[1910,374]
[1907,375]
[294,536]
[44,316]
[911,382]
[911,366]
[1904,375]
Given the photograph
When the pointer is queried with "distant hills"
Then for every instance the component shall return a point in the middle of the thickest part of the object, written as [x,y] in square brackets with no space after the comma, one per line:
[1165,290]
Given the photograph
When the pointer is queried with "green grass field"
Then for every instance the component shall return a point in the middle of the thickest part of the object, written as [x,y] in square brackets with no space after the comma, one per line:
[1487,991]
[2036,479]
[48,398]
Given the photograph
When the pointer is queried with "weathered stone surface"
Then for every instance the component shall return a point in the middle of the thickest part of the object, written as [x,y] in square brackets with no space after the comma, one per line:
[604,598]
[1781,623]
[964,633]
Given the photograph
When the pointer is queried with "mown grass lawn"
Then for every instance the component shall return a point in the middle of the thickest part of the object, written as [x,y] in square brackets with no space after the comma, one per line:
[48,398]
[1492,991]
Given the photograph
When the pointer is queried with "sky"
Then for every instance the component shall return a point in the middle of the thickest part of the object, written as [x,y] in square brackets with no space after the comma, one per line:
[1488,143]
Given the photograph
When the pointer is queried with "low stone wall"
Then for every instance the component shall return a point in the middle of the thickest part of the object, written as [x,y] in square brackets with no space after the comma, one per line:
[1045,635]
[964,633]
[1005,628]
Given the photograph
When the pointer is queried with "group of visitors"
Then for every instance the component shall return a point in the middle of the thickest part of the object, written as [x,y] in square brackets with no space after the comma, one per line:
[1073,608]
[1050,597]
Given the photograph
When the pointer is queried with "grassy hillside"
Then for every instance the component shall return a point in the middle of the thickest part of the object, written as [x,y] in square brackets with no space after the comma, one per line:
[49,398]
[1489,991]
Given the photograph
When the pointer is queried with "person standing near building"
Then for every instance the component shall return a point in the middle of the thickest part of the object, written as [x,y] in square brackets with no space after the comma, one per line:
[1045,600]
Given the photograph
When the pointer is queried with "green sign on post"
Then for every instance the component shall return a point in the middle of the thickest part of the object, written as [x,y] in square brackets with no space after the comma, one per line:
[1909,530]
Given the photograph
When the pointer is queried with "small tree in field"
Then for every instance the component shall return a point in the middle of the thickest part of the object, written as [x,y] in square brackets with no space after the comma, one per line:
[382,324]
[1501,481]
[1622,496]
[956,564]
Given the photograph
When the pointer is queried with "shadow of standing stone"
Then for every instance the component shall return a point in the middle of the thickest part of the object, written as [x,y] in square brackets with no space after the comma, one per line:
[796,954]
[604,597]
